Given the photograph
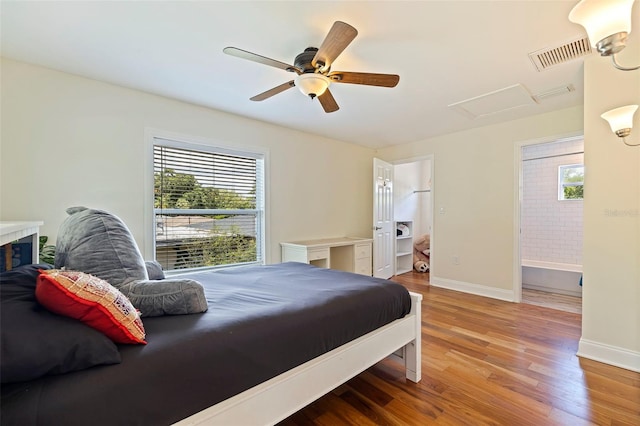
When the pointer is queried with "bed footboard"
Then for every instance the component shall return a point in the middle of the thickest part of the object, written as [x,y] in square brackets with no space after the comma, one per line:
[410,354]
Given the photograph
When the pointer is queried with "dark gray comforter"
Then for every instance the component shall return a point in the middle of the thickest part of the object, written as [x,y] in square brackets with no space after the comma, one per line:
[262,321]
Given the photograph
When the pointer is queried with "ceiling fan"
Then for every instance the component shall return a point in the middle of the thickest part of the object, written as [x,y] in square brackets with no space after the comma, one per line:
[313,67]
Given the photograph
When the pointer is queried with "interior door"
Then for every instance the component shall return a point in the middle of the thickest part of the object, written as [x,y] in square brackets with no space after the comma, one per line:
[383,235]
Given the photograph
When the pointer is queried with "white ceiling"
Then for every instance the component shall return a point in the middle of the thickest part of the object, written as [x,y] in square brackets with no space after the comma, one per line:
[444,52]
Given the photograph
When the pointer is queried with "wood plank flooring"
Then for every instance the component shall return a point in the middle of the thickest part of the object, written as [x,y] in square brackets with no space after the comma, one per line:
[485,362]
[560,302]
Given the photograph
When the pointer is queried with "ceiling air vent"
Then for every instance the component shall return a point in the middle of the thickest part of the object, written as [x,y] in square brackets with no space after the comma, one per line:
[546,58]
[556,91]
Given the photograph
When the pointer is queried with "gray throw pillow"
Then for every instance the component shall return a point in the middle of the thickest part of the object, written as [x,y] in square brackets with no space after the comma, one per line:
[167,297]
[154,270]
[99,243]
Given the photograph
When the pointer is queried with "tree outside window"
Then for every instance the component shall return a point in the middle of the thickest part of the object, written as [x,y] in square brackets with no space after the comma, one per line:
[571,182]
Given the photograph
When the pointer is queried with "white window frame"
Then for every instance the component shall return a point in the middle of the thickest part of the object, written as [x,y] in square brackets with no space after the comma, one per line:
[562,184]
[181,141]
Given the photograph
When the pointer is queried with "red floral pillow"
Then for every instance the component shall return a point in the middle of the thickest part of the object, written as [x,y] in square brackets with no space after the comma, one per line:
[91,300]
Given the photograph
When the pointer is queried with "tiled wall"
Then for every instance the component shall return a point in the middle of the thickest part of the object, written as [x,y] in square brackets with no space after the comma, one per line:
[551,229]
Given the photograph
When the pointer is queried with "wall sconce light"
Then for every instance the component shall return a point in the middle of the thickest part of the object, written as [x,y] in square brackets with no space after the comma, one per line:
[621,121]
[608,23]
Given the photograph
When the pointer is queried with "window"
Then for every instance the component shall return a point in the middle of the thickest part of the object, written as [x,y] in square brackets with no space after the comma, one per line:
[571,182]
[208,206]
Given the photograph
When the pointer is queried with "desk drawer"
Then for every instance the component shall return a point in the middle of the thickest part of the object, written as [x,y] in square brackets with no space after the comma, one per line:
[316,254]
[363,251]
[363,266]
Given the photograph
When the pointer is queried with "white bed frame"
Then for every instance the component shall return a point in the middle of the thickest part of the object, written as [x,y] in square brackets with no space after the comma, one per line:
[278,398]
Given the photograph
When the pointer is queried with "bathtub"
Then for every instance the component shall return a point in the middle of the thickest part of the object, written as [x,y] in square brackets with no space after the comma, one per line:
[561,278]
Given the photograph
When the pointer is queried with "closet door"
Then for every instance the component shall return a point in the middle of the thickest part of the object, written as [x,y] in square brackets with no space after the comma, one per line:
[383,232]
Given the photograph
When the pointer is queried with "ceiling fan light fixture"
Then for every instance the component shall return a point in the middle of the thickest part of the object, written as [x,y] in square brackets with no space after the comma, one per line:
[312,68]
[312,84]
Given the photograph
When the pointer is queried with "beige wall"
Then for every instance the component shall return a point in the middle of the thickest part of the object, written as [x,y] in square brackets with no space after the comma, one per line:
[611,293]
[474,184]
[69,141]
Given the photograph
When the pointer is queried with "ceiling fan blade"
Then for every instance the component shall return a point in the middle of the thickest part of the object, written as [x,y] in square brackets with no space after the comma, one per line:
[239,53]
[338,38]
[369,79]
[328,102]
[269,93]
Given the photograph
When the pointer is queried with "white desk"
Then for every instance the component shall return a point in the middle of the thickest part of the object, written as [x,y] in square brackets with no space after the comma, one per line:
[349,254]
[12,231]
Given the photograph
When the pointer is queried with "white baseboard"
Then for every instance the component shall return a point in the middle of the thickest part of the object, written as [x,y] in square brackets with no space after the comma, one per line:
[477,289]
[608,354]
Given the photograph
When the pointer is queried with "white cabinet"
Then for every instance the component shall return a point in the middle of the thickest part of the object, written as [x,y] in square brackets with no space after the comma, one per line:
[349,254]
[363,258]
[404,246]
[20,232]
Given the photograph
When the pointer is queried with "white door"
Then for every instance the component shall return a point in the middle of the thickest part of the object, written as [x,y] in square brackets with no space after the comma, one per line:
[383,232]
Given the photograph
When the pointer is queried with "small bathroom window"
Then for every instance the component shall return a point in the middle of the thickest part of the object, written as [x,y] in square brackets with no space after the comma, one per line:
[571,182]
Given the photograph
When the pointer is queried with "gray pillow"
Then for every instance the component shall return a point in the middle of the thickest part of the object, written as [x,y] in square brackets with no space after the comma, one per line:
[99,243]
[154,270]
[167,297]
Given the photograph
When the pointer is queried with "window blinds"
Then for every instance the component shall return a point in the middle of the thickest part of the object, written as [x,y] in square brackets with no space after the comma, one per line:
[208,207]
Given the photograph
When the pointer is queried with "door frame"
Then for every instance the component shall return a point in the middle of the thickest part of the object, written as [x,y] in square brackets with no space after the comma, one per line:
[517,203]
[432,233]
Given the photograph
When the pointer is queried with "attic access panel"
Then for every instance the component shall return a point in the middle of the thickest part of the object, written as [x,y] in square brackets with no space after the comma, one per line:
[491,103]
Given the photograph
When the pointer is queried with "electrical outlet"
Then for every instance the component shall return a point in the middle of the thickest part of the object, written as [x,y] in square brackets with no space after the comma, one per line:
[455,259]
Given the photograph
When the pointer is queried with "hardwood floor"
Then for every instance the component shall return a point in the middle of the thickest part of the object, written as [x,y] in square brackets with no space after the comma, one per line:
[485,362]
[560,302]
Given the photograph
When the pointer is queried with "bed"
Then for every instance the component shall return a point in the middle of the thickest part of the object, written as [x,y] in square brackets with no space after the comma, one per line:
[274,339]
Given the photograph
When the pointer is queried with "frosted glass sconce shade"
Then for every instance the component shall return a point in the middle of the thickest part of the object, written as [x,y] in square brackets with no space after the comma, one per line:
[602,18]
[608,23]
[621,121]
[620,118]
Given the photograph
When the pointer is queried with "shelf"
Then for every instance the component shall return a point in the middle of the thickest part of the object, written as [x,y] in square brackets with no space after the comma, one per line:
[404,248]
[20,233]
[11,231]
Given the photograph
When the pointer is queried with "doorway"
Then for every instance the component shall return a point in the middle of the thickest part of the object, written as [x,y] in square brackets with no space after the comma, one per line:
[550,223]
[413,201]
